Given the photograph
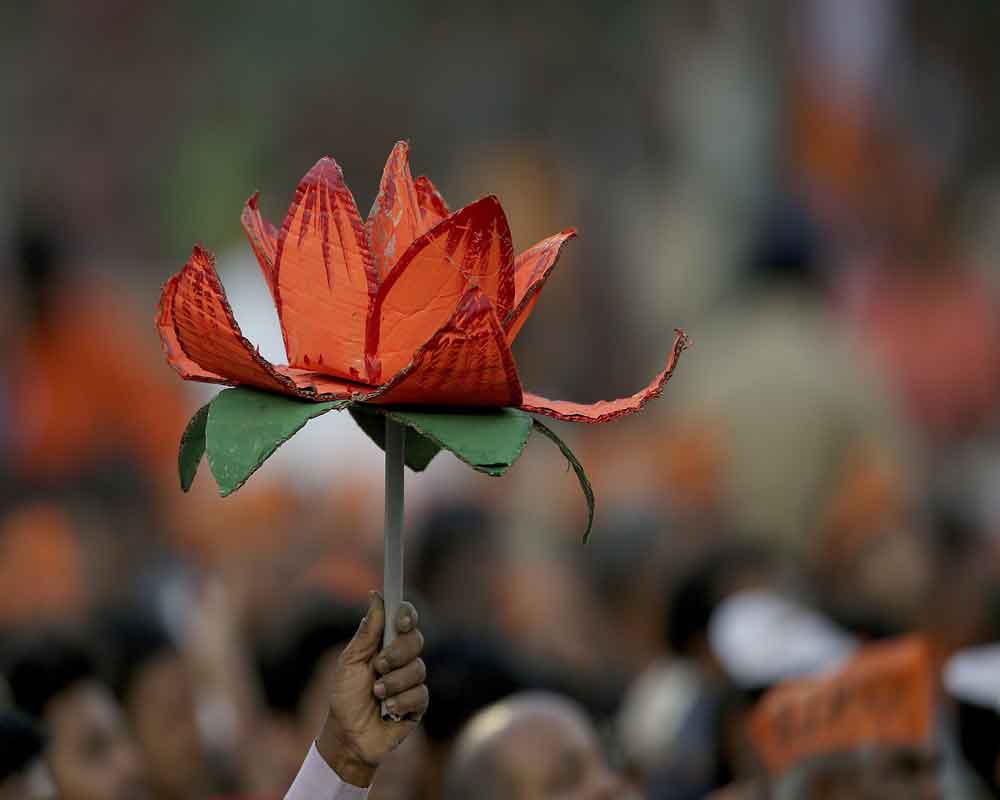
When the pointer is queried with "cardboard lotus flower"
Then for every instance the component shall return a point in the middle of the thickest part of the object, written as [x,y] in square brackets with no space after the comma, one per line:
[409,315]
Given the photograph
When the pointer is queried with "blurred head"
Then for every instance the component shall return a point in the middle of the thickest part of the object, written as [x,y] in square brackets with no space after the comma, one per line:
[531,746]
[39,254]
[700,591]
[296,669]
[23,771]
[90,753]
[455,550]
[465,674]
[787,248]
[152,681]
[627,573]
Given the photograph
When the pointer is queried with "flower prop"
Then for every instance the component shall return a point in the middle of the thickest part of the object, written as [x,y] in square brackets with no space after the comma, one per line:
[407,319]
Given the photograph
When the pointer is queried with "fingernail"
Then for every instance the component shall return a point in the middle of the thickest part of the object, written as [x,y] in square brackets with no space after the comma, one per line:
[379,690]
[391,705]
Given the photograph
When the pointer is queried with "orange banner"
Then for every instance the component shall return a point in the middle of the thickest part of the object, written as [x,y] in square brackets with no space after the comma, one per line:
[883,695]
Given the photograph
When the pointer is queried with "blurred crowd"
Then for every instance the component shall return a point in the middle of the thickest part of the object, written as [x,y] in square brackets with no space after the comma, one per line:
[810,189]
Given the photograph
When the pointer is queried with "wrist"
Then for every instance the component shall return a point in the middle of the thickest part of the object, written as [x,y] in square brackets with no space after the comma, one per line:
[342,759]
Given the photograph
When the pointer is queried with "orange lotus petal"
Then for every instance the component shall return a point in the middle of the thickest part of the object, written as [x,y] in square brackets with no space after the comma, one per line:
[263,238]
[531,270]
[471,247]
[395,219]
[607,410]
[176,357]
[466,363]
[204,331]
[433,208]
[325,279]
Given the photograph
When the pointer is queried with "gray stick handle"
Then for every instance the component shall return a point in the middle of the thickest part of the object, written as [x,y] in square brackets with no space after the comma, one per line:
[392,573]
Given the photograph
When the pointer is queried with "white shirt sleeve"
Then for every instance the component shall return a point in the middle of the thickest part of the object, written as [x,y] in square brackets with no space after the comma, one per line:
[317,781]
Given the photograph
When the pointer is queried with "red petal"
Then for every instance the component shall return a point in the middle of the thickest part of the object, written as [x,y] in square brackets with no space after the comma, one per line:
[263,238]
[183,365]
[206,334]
[433,208]
[607,410]
[466,363]
[531,270]
[470,248]
[395,219]
[325,278]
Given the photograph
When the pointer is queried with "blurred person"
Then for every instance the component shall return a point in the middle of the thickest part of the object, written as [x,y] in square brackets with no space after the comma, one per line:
[97,417]
[466,672]
[755,638]
[532,745]
[54,680]
[548,610]
[41,565]
[152,680]
[961,614]
[680,721]
[85,384]
[455,552]
[24,775]
[776,366]
[873,564]
[296,665]
[626,563]
[354,739]
[921,287]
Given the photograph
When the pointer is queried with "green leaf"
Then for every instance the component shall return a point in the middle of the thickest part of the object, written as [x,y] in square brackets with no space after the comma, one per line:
[488,440]
[246,426]
[192,447]
[419,449]
[581,476]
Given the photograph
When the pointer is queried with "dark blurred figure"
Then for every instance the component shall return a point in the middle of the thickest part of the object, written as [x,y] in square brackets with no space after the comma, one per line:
[627,563]
[701,748]
[39,254]
[455,552]
[296,665]
[54,680]
[24,775]
[154,684]
[465,674]
[530,747]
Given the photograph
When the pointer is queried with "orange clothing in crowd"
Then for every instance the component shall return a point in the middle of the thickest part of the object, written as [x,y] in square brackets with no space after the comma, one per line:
[88,382]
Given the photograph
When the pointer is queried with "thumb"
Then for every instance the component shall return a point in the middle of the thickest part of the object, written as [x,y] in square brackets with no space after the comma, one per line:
[368,639]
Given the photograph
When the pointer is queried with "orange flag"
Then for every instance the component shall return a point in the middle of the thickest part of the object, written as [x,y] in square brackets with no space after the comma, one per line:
[882,696]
